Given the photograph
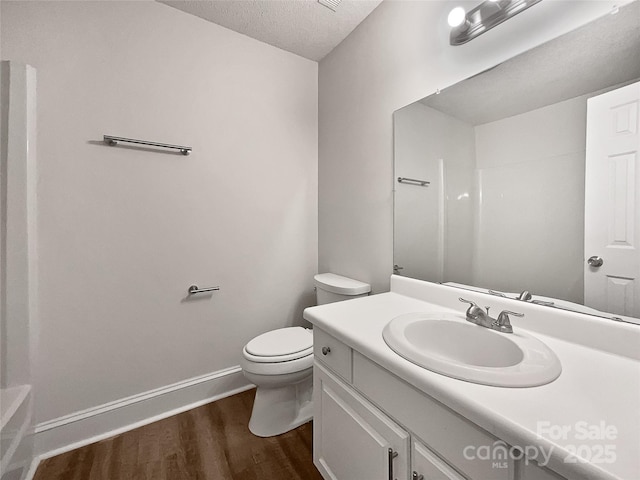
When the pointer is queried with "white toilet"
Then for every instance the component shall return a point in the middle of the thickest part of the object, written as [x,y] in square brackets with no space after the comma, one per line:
[280,364]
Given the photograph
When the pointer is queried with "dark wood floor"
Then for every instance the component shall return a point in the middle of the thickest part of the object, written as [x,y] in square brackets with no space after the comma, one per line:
[211,442]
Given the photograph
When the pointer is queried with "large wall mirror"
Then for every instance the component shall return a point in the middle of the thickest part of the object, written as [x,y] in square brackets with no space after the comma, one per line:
[534,175]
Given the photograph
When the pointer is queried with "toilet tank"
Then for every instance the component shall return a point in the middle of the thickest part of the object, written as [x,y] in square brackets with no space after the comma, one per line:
[335,288]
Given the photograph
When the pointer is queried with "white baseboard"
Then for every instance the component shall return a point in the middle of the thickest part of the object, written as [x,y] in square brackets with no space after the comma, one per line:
[97,423]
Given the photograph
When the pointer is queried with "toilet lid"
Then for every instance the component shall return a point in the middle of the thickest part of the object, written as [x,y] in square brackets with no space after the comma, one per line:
[283,341]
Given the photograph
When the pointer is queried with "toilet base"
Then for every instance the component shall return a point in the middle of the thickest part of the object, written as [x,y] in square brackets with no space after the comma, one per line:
[278,410]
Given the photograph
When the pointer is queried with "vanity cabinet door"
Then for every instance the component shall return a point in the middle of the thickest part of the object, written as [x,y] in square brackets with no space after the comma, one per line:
[426,465]
[353,440]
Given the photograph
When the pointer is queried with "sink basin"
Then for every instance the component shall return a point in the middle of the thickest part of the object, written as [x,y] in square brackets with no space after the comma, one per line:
[448,344]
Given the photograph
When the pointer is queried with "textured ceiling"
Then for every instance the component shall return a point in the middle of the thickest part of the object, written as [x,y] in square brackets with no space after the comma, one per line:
[601,54]
[303,27]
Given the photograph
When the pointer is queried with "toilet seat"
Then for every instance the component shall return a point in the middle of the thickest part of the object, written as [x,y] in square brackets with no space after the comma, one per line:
[280,364]
[279,359]
[277,368]
[281,345]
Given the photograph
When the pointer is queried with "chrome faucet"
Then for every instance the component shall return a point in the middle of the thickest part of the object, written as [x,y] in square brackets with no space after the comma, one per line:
[525,296]
[503,324]
[477,315]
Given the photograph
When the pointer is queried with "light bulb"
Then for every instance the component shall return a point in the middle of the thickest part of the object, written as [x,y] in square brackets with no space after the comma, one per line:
[457,17]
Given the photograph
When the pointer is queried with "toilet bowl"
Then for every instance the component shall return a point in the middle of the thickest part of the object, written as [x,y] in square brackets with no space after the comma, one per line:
[280,364]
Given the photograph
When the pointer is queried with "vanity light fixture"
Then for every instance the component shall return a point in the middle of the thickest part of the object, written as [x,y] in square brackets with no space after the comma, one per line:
[465,26]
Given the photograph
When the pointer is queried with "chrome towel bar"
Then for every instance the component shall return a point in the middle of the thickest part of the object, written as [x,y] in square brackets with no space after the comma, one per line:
[193,289]
[113,141]
[413,181]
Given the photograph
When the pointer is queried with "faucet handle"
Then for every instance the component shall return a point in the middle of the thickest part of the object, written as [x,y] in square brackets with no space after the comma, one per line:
[474,311]
[471,304]
[542,302]
[503,324]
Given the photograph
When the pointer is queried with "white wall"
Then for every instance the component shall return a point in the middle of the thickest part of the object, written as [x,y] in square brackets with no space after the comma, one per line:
[531,172]
[123,232]
[418,222]
[399,54]
[423,137]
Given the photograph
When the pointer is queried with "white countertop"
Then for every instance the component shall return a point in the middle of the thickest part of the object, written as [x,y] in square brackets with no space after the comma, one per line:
[595,389]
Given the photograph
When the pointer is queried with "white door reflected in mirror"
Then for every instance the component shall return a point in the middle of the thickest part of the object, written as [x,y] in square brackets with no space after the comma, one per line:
[612,202]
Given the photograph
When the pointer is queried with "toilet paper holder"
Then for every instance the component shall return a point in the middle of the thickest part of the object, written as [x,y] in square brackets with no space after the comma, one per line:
[194,289]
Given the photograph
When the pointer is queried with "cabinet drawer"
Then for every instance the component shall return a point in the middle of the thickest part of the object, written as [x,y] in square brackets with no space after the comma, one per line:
[332,353]
[453,437]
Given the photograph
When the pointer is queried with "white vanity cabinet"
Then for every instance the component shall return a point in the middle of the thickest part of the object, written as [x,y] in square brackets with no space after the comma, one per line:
[353,439]
[426,465]
[371,425]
